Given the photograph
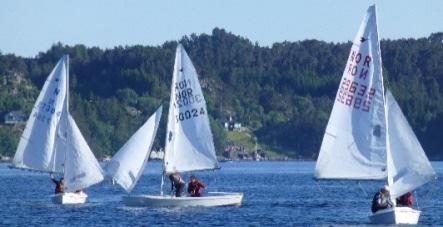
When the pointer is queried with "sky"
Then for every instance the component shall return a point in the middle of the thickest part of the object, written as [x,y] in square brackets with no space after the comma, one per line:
[28,27]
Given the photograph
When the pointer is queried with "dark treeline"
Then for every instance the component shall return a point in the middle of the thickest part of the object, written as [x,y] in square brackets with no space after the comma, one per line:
[283,93]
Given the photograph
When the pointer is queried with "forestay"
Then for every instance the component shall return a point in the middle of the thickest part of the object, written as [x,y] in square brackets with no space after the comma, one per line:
[354,143]
[81,168]
[128,163]
[37,148]
[408,167]
[189,143]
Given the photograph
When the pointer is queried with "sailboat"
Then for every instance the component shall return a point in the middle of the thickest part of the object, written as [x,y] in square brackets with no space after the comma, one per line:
[127,165]
[189,144]
[53,143]
[367,136]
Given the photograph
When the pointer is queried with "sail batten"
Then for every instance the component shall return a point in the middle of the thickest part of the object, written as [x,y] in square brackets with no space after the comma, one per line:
[189,143]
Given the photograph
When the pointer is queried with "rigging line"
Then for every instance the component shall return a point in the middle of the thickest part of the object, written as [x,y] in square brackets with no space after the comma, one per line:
[319,187]
[416,199]
[214,180]
[162,183]
[429,193]
[363,189]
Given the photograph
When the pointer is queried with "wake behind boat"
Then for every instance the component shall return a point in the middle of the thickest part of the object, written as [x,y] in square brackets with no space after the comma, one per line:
[367,136]
[53,143]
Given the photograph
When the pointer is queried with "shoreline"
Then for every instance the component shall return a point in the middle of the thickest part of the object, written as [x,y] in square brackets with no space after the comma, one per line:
[221,161]
[224,160]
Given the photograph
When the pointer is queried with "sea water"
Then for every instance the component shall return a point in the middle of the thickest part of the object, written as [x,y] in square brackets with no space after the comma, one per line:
[275,194]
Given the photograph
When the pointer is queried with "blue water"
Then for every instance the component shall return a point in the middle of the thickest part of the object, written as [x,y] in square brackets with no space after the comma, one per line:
[276,194]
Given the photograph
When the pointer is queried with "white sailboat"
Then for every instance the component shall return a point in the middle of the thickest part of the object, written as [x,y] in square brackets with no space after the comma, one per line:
[128,163]
[189,143]
[53,143]
[367,136]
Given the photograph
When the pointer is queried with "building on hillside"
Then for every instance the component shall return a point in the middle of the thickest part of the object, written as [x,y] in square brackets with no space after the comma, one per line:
[157,155]
[14,117]
[231,125]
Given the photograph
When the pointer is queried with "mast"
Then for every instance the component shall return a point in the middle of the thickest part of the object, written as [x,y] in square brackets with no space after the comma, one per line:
[389,160]
[388,155]
[67,110]
[170,114]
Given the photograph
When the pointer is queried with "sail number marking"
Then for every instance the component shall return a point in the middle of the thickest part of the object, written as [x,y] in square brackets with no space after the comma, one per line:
[45,110]
[184,94]
[188,114]
[355,95]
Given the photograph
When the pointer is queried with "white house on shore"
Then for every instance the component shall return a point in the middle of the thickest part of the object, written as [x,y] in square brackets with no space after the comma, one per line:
[14,117]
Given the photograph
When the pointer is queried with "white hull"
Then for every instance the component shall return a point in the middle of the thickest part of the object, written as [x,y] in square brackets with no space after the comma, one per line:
[215,199]
[70,198]
[396,215]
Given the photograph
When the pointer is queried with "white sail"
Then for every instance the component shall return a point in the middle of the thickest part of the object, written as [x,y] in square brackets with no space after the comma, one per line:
[36,149]
[354,143]
[81,168]
[408,167]
[60,143]
[189,143]
[128,163]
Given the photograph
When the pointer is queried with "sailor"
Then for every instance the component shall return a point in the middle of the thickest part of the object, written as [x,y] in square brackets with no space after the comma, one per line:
[405,200]
[194,187]
[381,200]
[59,184]
[177,184]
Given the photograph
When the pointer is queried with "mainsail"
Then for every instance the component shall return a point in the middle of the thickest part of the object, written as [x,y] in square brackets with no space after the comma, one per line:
[37,149]
[408,166]
[51,141]
[354,143]
[189,143]
[128,163]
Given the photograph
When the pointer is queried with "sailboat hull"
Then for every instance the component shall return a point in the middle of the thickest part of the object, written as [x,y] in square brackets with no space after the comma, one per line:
[396,215]
[70,198]
[214,199]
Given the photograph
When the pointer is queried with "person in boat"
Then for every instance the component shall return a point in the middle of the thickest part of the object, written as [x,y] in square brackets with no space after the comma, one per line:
[195,186]
[59,184]
[177,184]
[405,200]
[381,200]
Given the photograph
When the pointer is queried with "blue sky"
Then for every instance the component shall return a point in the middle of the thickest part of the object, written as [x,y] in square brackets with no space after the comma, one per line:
[30,26]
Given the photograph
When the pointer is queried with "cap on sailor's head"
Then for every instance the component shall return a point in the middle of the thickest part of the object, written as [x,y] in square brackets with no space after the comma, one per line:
[386,188]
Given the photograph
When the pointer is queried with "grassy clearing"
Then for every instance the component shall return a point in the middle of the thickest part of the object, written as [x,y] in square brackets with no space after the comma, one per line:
[246,140]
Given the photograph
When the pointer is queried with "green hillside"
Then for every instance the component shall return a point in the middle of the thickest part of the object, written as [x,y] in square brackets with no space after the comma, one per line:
[283,93]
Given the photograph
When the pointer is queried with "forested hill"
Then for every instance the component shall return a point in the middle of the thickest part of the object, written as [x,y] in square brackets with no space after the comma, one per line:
[283,93]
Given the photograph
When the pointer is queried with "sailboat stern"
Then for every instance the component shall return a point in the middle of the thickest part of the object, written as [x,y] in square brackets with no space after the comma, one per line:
[395,216]
[70,198]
